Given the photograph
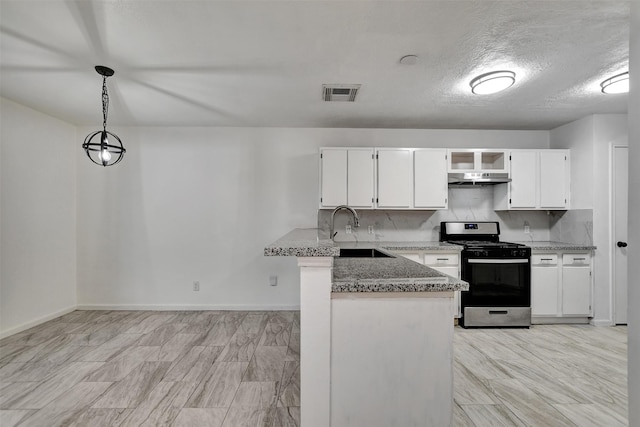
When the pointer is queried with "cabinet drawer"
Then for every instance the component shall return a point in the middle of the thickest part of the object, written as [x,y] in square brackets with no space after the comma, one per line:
[441,259]
[576,259]
[550,259]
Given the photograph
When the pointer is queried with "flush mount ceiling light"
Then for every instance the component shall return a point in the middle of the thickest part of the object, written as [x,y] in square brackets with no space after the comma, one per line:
[102,151]
[616,84]
[492,82]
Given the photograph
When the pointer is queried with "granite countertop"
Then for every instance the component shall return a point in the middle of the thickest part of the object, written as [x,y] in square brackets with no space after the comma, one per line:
[303,242]
[393,274]
[396,274]
[558,246]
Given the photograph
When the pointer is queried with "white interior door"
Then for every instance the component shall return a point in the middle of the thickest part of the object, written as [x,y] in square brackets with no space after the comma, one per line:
[620,211]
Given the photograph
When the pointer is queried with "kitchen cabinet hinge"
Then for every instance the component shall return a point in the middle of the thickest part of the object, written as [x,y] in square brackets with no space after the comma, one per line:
[377,156]
[509,201]
[320,155]
[377,200]
[320,199]
[509,157]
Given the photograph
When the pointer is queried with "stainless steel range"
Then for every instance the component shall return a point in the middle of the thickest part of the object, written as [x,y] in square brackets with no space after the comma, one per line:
[499,275]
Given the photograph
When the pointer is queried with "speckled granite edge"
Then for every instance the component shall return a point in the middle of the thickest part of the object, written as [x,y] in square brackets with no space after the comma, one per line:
[399,285]
[302,251]
[558,246]
[302,242]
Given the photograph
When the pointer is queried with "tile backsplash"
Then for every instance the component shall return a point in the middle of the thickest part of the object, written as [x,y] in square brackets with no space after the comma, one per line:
[574,226]
[465,204]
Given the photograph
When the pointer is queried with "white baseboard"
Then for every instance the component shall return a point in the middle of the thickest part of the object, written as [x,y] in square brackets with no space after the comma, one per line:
[559,320]
[601,322]
[188,307]
[36,322]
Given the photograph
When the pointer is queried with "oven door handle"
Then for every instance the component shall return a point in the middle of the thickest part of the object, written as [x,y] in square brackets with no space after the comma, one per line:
[497,261]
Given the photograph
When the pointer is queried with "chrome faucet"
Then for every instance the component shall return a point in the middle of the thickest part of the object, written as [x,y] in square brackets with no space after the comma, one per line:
[356,220]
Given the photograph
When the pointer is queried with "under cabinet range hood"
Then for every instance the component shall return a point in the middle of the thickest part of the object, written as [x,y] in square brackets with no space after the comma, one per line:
[478,178]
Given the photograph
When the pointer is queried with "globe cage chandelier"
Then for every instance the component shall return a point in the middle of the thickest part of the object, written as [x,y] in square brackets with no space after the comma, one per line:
[104,151]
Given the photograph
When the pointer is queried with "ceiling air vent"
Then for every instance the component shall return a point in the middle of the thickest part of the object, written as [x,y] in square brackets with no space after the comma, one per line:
[340,93]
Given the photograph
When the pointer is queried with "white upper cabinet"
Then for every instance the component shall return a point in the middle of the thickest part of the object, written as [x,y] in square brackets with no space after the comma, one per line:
[333,177]
[554,181]
[523,186]
[394,178]
[540,180]
[430,188]
[346,177]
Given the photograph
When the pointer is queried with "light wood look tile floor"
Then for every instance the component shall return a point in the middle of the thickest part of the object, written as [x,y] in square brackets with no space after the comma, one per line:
[230,369]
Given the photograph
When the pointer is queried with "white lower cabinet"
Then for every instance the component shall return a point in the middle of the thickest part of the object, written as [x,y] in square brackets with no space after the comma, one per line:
[544,285]
[444,262]
[576,285]
[561,287]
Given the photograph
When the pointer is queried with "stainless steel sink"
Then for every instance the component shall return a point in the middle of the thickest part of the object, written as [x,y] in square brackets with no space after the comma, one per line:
[363,253]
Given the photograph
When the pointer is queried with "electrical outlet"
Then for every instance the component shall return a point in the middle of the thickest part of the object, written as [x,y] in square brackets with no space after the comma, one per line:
[273,280]
[347,229]
[527,230]
[196,286]
[370,229]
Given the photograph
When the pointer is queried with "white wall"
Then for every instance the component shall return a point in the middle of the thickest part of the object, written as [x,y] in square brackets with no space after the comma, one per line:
[38,217]
[590,140]
[201,203]
[578,137]
[634,219]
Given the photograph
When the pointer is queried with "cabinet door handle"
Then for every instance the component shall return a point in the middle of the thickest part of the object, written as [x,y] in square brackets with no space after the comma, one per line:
[442,259]
[579,259]
[546,259]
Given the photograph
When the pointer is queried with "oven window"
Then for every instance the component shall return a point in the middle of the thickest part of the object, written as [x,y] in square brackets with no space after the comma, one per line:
[497,284]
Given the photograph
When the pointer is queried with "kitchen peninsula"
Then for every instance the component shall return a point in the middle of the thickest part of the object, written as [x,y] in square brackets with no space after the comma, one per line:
[376,333]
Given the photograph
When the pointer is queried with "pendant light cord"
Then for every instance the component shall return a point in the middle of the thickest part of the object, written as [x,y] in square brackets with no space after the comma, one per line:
[105,102]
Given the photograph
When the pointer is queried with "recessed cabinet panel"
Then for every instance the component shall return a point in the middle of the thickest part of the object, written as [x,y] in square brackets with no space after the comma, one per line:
[333,167]
[576,291]
[430,179]
[394,178]
[360,178]
[553,192]
[544,289]
[524,167]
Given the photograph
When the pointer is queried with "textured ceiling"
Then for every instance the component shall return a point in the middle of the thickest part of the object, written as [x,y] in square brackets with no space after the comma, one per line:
[263,63]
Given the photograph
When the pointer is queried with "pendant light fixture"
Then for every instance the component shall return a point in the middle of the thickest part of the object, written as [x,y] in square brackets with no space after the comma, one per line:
[492,82]
[107,150]
[616,84]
